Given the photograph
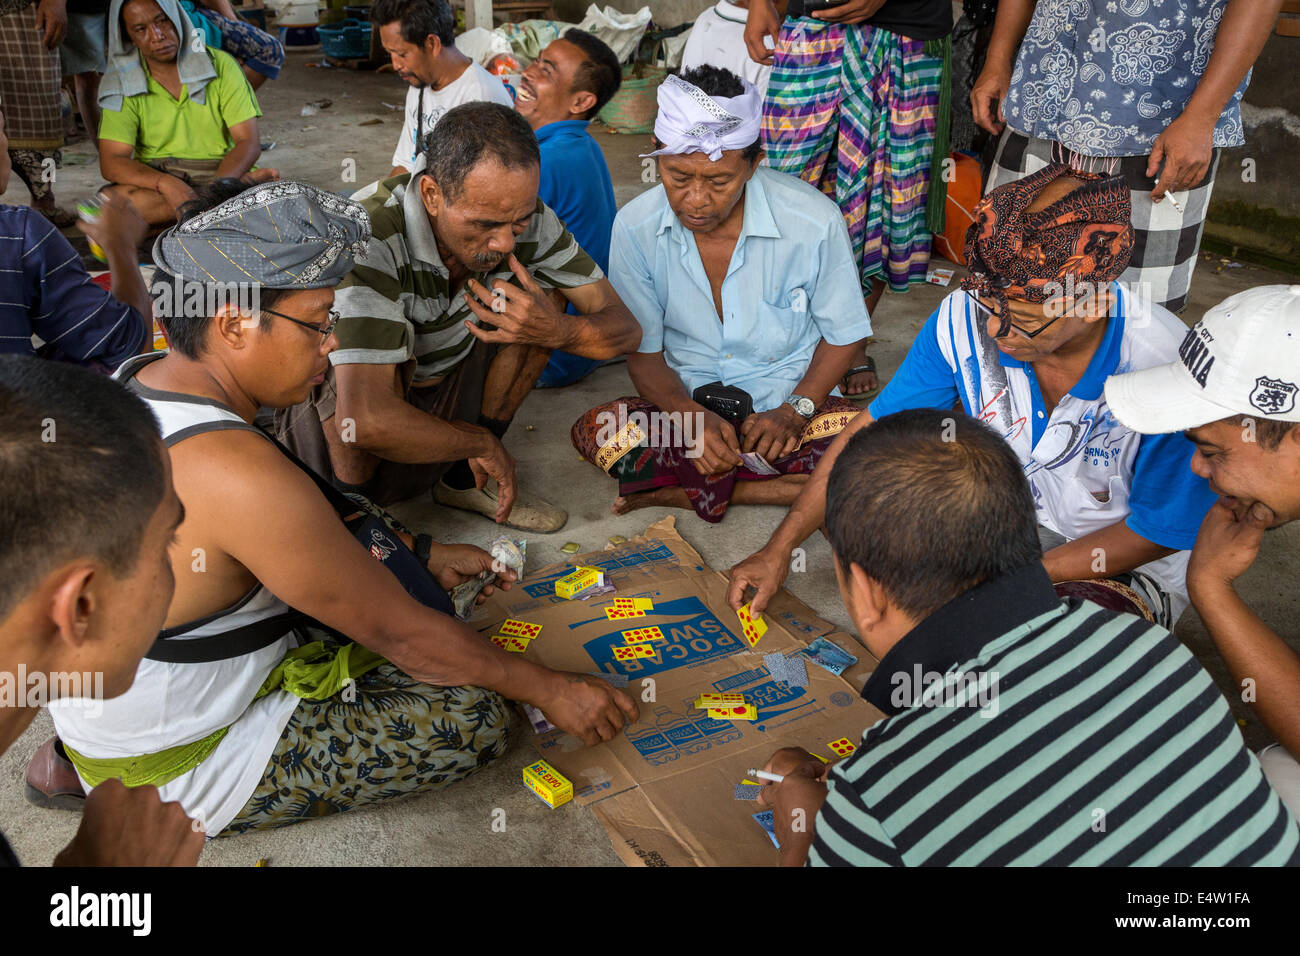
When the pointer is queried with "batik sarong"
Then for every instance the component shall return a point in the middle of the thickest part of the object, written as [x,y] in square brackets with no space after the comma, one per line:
[256,49]
[613,438]
[386,736]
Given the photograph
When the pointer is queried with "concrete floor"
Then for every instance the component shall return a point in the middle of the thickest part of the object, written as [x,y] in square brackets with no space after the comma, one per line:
[455,827]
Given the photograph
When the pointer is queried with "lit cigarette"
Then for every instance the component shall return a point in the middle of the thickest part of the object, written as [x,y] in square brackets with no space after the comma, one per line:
[1170,196]
[764,775]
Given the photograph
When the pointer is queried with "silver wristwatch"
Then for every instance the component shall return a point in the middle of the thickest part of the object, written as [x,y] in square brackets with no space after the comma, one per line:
[803,405]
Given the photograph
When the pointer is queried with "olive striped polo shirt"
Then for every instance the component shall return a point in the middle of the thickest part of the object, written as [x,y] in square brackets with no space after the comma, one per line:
[397,303]
[1062,734]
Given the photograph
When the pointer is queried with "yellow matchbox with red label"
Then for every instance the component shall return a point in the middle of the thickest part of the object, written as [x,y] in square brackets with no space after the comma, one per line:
[578,580]
[545,781]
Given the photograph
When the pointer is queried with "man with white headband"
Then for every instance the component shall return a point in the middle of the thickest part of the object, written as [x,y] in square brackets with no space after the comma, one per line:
[742,280]
[1232,393]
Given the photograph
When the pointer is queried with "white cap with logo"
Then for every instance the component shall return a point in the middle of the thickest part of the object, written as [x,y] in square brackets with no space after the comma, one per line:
[1242,358]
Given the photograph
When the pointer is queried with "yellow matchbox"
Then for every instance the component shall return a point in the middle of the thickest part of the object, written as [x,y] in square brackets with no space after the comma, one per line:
[545,781]
[578,580]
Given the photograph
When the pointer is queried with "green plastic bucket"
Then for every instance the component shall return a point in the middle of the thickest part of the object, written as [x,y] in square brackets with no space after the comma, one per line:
[635,105]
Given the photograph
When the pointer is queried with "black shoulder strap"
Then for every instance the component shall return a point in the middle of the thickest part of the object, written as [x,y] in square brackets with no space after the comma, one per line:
[341,503]
[170,647]
[228,644]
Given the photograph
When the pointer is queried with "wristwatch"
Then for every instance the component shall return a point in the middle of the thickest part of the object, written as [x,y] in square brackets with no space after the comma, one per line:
[423,548]
[803,405]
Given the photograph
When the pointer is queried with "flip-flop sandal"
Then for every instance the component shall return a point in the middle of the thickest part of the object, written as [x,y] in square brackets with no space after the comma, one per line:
[52,782]
[868,366]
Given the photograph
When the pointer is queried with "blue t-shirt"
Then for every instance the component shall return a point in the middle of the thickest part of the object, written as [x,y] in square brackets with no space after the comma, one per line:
[575,183]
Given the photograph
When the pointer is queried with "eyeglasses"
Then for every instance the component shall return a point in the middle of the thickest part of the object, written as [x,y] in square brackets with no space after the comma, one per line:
[1005,325]
[324,330]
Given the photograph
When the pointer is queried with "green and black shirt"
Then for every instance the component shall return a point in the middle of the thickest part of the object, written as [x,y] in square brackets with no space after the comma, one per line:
[1074,736]
[396,304]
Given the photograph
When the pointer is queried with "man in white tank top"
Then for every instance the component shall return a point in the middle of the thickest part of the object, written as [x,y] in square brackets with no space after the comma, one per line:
[254,747]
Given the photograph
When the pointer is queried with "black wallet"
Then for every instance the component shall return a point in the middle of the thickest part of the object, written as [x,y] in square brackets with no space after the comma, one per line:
[727,401]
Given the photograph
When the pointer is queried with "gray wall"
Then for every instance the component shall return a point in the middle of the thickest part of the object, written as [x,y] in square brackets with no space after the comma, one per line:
[1264,216]
[666,13]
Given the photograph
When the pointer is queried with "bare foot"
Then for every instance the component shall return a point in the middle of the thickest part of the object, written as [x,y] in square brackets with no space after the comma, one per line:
[660,497]
[264,175]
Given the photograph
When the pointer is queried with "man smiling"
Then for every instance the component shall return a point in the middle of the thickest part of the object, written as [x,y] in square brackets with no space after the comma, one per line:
[559,94]
[419,37]
[1025,346]
[1233,392]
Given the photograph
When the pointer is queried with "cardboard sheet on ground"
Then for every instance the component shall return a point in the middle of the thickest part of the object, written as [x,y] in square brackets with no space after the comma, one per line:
[664,789]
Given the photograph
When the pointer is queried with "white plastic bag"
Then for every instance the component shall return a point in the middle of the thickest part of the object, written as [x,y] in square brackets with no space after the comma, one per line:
[621,32]
[482,45]
[671,51]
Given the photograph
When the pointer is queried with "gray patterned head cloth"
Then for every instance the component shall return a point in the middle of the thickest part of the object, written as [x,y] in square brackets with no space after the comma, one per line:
[281,235]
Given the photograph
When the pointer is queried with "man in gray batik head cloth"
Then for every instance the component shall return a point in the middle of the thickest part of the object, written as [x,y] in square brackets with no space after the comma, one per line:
[240,695]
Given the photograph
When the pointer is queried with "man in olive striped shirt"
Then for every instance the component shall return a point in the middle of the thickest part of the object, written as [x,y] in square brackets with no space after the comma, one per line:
[448,320]
[1020,730]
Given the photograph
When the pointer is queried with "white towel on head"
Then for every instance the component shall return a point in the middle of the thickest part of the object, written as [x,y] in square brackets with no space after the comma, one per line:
[125,74]
[692,121]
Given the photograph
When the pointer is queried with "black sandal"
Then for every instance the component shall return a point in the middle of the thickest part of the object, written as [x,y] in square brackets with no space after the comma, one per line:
[868,366]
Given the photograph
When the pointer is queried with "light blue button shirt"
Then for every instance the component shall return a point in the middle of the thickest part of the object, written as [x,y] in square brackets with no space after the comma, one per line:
[788,287]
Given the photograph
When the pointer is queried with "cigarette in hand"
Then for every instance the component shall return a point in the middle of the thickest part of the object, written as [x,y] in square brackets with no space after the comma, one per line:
[1170,196]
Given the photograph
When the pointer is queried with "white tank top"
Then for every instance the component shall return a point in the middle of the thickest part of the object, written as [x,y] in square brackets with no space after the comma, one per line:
[172,704]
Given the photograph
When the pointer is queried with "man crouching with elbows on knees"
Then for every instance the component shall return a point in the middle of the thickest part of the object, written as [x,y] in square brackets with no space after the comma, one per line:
[448,321]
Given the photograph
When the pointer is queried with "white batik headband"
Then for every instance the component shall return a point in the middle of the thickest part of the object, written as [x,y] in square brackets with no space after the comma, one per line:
[692,121]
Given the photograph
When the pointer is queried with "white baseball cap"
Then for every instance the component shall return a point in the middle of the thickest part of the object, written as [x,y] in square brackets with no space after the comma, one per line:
[1242,358]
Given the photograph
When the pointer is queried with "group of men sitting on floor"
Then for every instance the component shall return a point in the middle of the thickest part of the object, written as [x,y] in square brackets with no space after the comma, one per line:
[1033,495]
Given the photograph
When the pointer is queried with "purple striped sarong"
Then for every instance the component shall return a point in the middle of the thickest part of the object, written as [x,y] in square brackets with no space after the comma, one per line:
[852,110]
